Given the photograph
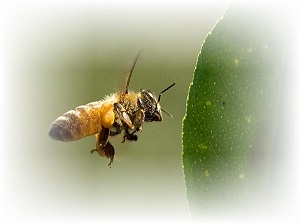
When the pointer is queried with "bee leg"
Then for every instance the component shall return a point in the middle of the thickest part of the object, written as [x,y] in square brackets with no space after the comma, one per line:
[139,119]
[103,146]
[130,136]
[109,152]
[124,117]
[138,124]
[113,133]
[101,140]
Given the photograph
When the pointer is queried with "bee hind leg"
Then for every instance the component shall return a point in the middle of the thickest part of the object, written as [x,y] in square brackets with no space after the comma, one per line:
[109,152]
[103,146]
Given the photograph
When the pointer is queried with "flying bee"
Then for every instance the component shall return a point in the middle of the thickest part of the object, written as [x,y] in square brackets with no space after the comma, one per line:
[124,111]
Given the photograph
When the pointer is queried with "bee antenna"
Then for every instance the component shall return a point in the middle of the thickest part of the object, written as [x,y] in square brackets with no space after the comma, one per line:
[130,72]
[159,96]
[169,114]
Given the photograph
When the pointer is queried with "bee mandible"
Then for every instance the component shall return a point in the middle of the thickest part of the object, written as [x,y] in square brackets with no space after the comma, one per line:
[124,111]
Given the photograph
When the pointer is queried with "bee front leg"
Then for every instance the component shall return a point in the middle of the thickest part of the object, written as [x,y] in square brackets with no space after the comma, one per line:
[129,136]
[123,117]
[138,124]
[115,131]
[103,146]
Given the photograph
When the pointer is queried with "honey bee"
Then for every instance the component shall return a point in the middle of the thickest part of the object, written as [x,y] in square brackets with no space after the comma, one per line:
[124,111]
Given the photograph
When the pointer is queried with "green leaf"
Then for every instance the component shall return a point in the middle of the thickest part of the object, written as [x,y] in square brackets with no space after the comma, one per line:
[228,129]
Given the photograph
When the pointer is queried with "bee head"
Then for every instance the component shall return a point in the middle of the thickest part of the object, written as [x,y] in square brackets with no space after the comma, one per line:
[150,104]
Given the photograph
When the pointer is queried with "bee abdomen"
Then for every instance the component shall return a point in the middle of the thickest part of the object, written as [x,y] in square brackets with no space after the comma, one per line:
[78,123]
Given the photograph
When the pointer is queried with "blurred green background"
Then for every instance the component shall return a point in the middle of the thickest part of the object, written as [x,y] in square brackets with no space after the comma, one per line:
[60,56]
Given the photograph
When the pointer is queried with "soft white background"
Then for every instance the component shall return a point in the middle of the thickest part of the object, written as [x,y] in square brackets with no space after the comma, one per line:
[56,55]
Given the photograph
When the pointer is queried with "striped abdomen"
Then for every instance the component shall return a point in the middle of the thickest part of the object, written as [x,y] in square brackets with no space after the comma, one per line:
[78,123]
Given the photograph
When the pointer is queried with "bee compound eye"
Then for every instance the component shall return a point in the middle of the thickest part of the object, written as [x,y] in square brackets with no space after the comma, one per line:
[149,94]
[140,103]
